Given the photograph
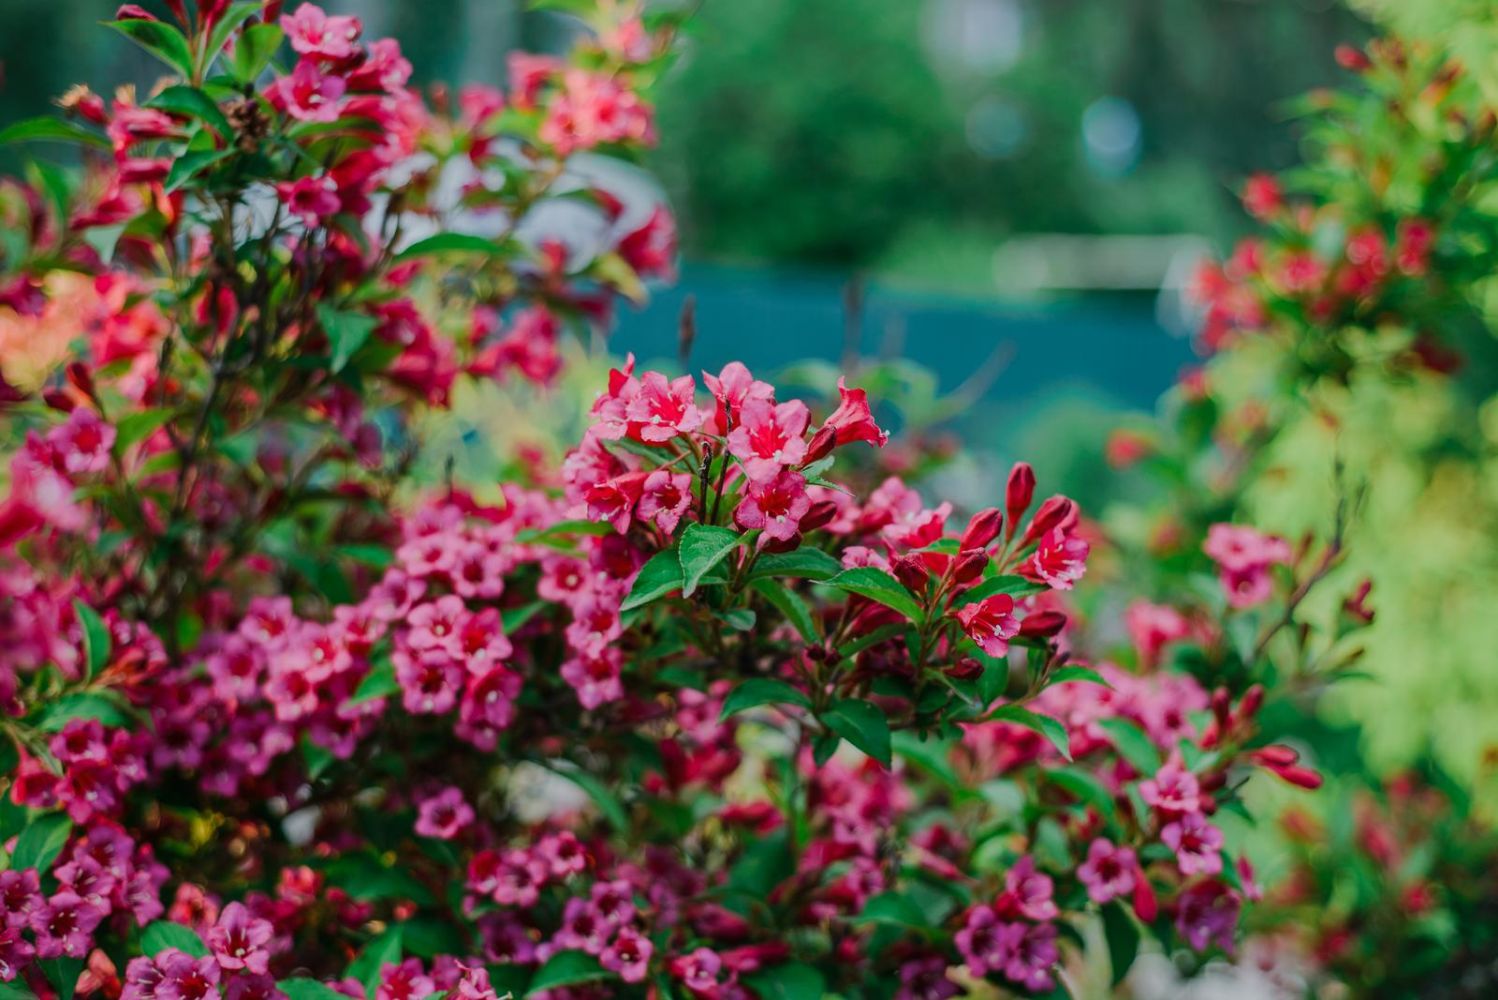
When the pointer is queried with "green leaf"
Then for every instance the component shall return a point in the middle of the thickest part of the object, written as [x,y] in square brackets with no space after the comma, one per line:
[565,968]
[41,842]
[186,166]
[454,243]
[1123,940]
[762,691]
[17,990]
[158,38]
[806,563]
[702,547]
[873,638]
[63,974]
[190,102]
[96,644]
[793,981]
[931,755]
[660,575]
[253,51]
[513,618]
[81,705]
[233,17]
[1086,674]
[1086,788]
[138,426]
[862,724]
[792,606]
[892,908]
[1133,744]
[164,934]
[46,129]
[380,682]
[383,950]
[765,863]
[562,529]
[603,797]
[1046,726]
[347,332]
[880,587]
[1014,586]
[302,988]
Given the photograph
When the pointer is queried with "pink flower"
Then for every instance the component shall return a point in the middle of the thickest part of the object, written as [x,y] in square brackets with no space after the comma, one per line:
[430,682]
[1027,892]
[651,249]
[698,971]
[313,33]
[83,442]
[20,896]
[986,943]
[1262,196]
[1173,790]
[613,500]
[64,925]
[239,940]
[1208,913]
[595,678]
[731,389]
[186,978]
[990,623]
[405,981]
[1244,556]
[1153,626]
[853,420]
[307,95]
[1034,957]
[1109,871]
[591,110]
[769,437]
[310,199]
[663,409]
[443,815]
[15,954]
[775,505]
[1059,560]
[1197,844]
[666,498]
[628,955]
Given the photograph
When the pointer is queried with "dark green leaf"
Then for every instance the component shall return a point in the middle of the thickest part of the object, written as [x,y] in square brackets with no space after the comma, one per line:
[1014,586]
[189,164]
[63,974]
[1133,744]
[764,864]
[81,705]
[891,908]
[380,682]
[1123,940]
[762,691]
[792,606]
[1086,788]
[880,587]
[253,51]
[872,638]
[158,38]
[565,968]
[51,130]
[794,981]
[513,618]
[96,644]
[190,102]
[702,547]
[1046,726]
[454,243]
[383,950]
[164,934]
[302,988]
[41,842]
[16,990]
[237,13]
[660,575]
[347,332]
[806,563]
[862,724]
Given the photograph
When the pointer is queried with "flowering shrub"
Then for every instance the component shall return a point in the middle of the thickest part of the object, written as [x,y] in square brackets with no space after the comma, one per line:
[691,715]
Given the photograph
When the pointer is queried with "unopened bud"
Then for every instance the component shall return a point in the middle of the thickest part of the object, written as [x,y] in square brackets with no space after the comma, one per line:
[1043,624]
[58,400]
[1300,777]
[969,566]
[819,516]
[910,572]
[982,529]
[1056,512]
[1018,493]
[965,669]
[778,545]
[822,443]
[1352,58]
[1253,700]
[134,12]
[80,378]
[1275,755]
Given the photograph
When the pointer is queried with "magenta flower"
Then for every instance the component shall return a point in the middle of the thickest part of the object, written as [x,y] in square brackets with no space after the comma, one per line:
[1197,843]
[1173,790]
[1059,560]
[664,409]
[1034,956]
[732,388]
[20,896]
[184,977]
[444,815]
[1027,892]
[15,953]
[238,940]
[82,442]
[1109,871]
[698,971]
[986,943]
[769,437]
[406,981]
[853,420]
[313,33]
[308,95]
[628,955]
[64,925]
[666,498]
[990,623]
[1208,914]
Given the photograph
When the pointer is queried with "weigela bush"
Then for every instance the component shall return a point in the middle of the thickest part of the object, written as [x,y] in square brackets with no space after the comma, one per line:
[692,714]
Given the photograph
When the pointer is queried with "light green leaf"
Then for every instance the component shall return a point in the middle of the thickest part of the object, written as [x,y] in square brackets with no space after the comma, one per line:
[603,797]
[880,587]
[1086,674]
[1014,586]
[47,129]
[96,642]
[253,51]
[565,968]
[660,575]
[1046,726]
[792,606]
[1133,744]
[190,102]
[158,38]
[302,988]
[81,705]
[382,951]
[702,547]
[454,243]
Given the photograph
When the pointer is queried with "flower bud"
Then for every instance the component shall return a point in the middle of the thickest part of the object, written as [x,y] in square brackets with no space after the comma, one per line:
[777,545]
[982,529]
[965,669]
[58,400]
[820,515]
[1018,493]
[1275,755]
[1253,700]
[80,378]
[1352,58]
[969,566]
[1300,777]
[1043,624]
[1056,512]
[134,12]
[1146,906]
[910,572]
[822,443]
